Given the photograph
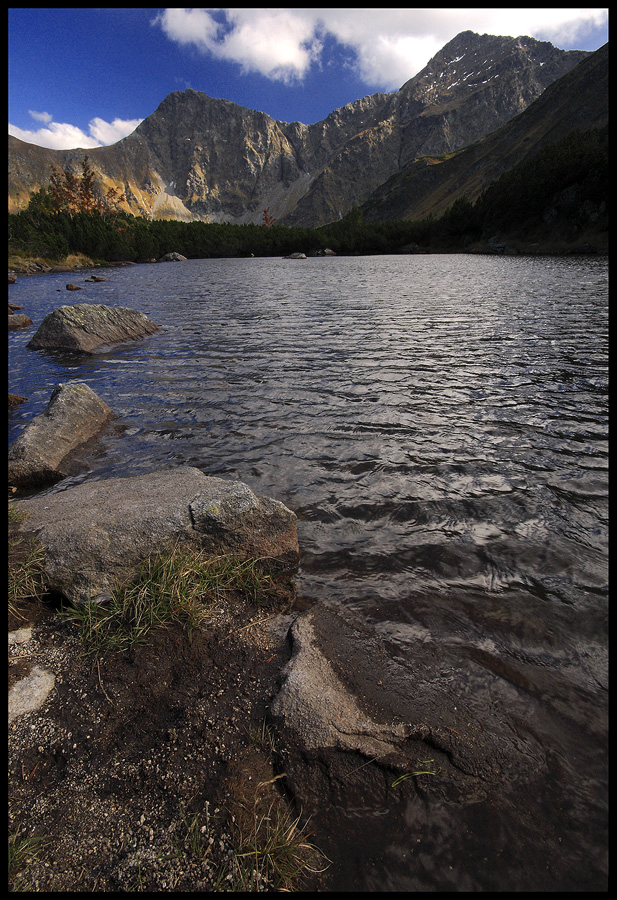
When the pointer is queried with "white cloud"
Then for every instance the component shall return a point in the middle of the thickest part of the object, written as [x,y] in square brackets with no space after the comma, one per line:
[390,45]
[278,43]
[40,116]
[62,136]
[110,132]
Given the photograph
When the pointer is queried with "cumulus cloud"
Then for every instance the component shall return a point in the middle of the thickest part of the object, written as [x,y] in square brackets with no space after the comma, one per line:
[110,132]
[63,136]
[389,45]
[278,43]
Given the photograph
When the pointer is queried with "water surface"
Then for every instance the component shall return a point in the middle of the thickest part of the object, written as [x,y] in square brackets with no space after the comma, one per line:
[439,426]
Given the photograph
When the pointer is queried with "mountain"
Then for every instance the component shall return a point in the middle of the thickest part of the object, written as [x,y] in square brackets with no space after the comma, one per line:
[197,157]
[431,184]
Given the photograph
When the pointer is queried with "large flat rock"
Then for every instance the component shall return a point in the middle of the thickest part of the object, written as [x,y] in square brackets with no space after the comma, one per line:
[84,328]
[99,533]
[45,450]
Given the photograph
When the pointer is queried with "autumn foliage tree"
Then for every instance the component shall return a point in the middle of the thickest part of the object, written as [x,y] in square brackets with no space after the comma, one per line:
[268,219]
[71,194]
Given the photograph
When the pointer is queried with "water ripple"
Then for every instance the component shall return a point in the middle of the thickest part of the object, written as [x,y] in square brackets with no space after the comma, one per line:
[439,425]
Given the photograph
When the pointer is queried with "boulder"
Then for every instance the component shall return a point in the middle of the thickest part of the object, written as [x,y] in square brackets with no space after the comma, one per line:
[99,533]
[173,257]
[73,287]
[85,327]
[12,277]
[325,252]
[55,269]
[97,278]
[295,255]
[44,451]
[18,320]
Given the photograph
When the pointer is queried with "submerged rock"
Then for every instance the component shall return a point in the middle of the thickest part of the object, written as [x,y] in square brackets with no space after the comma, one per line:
[15,400]
[322,712]
[100,533]
[85,327]
[43,452]
[341,691]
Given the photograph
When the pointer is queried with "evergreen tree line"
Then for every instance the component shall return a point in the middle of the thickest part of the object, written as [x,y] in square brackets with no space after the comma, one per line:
[71,216]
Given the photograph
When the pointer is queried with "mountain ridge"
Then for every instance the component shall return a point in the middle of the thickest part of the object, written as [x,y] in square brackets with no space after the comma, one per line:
[579,99]
[197,157]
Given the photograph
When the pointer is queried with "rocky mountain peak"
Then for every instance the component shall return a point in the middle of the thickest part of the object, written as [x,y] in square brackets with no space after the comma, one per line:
[197,157]
[472,60]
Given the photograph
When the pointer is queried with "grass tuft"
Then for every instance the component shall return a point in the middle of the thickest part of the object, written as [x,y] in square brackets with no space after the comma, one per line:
[429,768]
[262,737]
[26,565]
[22,852]
[274,856]
[180,586]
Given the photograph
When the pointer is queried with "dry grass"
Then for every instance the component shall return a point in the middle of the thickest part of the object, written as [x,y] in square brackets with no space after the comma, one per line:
[181,586]
[273,856]
[26,566]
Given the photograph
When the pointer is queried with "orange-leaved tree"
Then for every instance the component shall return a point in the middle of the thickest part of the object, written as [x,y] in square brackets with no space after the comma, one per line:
[268,219]
[70,193]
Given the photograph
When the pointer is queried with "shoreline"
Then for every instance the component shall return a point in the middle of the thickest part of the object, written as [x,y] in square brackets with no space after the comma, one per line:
[588,244]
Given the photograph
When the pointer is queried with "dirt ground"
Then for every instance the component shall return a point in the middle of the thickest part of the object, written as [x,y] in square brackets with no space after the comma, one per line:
[143,770]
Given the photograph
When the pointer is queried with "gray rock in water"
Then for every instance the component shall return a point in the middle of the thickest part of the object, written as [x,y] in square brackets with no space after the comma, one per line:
[100,533]
[85,327]
[18,320]
[173,257]
[43,452]
[340,690]
[321,711]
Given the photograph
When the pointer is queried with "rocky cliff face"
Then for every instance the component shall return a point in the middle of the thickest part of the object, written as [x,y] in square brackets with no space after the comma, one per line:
[200,158]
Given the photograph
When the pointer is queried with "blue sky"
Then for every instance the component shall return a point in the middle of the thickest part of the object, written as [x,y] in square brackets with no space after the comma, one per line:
[87,77]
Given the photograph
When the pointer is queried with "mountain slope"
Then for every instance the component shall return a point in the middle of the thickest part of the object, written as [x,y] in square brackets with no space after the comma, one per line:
[197,157]
[426,186]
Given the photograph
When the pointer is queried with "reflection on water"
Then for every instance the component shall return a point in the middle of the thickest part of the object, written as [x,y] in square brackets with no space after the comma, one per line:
[439,426]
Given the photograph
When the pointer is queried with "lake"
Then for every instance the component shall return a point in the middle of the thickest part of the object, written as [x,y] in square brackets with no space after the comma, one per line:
[439,425]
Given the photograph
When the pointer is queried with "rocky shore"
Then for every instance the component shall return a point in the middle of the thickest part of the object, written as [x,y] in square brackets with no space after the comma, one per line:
[148,769]
[153,768]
